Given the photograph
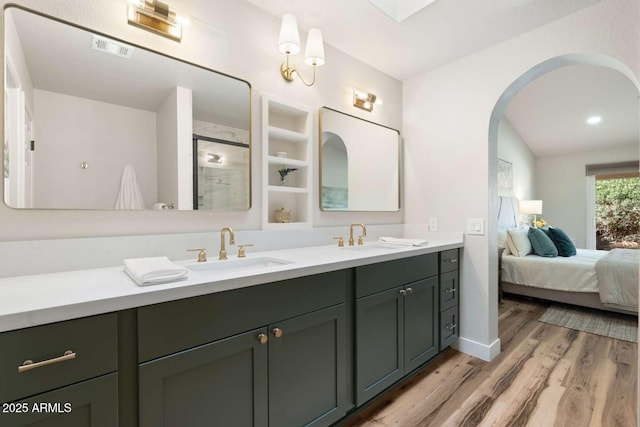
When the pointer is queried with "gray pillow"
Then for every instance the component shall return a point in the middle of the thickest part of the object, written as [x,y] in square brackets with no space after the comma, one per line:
[541,243]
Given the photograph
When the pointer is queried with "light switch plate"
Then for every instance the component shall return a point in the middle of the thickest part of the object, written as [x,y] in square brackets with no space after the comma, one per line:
[433,223]
[475,226]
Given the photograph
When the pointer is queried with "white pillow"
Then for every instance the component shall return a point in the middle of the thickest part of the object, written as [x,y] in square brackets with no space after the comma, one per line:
[502,241]
[518,242]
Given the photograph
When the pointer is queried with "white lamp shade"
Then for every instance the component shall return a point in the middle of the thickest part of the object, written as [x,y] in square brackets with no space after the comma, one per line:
[314,53]
[531,207]
[289,41]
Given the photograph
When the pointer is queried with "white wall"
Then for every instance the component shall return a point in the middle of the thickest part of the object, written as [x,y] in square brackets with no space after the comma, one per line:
[175,149]
[513,149]
[235,38]
[450,164]
[561,185]
[62,124]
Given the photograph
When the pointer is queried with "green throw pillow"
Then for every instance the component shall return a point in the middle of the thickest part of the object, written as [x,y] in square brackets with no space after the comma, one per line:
[563,242]
[541,243]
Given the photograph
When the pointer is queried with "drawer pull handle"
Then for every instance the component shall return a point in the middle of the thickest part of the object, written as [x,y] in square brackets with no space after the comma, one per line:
[277,332]
[409,291]
[451,260]
[30,364]
[451,326]
[403,292]
[450,290]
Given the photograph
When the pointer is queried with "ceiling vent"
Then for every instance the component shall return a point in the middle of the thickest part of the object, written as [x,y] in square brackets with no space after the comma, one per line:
[113,47]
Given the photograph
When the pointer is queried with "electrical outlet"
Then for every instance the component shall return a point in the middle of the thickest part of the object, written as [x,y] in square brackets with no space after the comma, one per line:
[433,223]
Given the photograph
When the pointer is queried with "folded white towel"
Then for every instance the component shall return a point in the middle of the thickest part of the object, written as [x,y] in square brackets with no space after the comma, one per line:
[154,270]
[403,242]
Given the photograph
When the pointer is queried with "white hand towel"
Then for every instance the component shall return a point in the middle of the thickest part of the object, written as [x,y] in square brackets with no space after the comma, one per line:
[129,196]
[403,242]
[154,270]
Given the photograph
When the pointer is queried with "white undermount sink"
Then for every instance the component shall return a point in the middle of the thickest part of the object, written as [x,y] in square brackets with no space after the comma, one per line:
[237,264]
[373,246]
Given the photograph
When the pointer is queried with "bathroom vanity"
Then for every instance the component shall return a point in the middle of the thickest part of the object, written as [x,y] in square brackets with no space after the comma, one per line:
[302,343]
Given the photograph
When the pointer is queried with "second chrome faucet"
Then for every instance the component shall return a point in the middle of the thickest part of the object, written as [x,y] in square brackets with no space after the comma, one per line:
[232,241]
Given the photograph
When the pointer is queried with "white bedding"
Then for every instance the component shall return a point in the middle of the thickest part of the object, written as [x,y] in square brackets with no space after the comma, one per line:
[618,278]
[572,274]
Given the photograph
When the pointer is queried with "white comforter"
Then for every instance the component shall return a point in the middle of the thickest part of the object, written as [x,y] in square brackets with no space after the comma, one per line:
[572,274]
[617,274]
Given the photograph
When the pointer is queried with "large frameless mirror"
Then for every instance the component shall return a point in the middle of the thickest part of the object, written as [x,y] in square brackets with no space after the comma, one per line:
[92,122]
[359,164]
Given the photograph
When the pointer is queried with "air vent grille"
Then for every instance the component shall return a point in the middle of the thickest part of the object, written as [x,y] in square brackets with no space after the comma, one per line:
[113,47]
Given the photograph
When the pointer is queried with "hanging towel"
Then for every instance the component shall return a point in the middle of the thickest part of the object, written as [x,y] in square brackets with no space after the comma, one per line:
[129,196]
[154,270]
[402,242]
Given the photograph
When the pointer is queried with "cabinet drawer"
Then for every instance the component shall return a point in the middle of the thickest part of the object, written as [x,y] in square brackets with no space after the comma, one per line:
[449,260]
[178,325]
[386,275]
[449,290]
[92,341]
[448,327]
[88,403]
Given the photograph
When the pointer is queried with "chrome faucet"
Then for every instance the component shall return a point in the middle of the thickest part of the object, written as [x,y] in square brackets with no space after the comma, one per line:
[232,241]
[364,234]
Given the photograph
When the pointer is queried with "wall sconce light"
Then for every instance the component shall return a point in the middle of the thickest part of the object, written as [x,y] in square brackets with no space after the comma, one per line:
[365,100]
[155,16]
[289,44]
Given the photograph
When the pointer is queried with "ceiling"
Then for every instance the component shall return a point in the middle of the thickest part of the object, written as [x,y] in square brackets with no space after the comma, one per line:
[143,82]
[550,113]
[440,32]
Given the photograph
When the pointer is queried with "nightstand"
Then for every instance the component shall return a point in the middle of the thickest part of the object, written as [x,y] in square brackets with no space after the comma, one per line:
[500,251]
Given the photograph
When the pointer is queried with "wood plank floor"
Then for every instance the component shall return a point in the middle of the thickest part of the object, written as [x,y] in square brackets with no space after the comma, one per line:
[545,376]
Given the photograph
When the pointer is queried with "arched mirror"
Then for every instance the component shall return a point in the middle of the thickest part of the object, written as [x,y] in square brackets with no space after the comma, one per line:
[359,164]
[92,122]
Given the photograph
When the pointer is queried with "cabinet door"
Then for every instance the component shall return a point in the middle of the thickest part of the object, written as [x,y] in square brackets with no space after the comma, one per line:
[91,403]
[307,369]
[222,383]
[420,322]
[379,342]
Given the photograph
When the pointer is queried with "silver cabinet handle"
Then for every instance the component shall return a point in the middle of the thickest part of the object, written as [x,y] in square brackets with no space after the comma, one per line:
[451,326]
[409,291]
[403,292]
[263,338]
[451,260]
[450,290]
[277,332]
[30,364]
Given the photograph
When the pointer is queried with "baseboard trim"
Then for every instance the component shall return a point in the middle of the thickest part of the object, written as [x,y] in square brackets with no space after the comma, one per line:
[476,349]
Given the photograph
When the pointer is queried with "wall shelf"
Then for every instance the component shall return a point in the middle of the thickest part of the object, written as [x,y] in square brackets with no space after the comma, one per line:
[286,128]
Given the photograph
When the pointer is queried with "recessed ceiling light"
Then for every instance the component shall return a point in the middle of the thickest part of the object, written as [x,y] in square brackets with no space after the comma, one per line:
[594,120]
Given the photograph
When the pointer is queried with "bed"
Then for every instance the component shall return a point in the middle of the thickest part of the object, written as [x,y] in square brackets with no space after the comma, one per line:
[606,280]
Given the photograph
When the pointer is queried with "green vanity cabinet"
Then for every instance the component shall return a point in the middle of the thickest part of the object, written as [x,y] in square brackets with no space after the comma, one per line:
[397,327]
[61,374]
[289,369]
[449,292]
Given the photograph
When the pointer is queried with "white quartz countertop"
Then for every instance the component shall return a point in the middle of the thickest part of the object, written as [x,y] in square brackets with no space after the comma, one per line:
[45,298]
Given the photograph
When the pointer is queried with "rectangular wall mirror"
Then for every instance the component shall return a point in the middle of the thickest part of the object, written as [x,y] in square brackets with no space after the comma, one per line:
[92,122]
[359,164]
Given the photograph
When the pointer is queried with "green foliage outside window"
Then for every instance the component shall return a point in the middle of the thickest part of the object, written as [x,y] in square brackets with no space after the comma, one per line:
[618,209]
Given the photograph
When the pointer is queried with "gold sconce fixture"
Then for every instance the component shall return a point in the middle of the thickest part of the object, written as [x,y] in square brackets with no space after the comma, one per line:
[155,16]
[289,44]
[365,100]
